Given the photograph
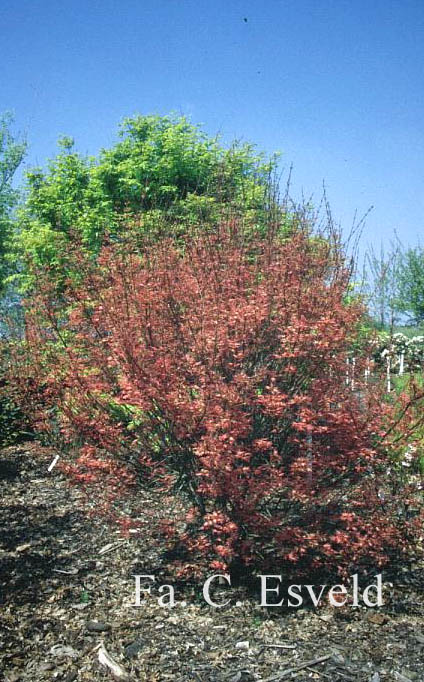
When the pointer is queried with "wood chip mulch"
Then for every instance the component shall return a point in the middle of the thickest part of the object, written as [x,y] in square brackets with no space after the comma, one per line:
[67,594]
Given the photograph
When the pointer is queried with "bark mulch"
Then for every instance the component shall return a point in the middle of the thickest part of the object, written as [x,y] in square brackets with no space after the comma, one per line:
[67,588]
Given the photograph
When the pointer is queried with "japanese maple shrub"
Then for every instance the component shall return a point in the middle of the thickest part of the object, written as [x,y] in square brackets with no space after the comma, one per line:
[219,370]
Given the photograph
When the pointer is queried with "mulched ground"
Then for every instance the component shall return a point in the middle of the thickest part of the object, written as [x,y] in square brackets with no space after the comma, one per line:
[66,585]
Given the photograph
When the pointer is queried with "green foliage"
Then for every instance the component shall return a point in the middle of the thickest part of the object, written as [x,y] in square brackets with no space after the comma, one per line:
[164,173]
[12,152]
[411,285]
[13,427]
[409,331]
[396,286]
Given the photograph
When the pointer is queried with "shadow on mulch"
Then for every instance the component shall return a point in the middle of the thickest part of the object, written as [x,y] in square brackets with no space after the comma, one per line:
[9,470]
[22,573]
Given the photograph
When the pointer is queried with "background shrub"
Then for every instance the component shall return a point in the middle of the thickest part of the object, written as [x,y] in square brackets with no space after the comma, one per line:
[164,173]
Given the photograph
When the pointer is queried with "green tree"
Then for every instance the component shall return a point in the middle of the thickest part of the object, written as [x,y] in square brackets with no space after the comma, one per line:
[164,173]
[411,285]
[12,152]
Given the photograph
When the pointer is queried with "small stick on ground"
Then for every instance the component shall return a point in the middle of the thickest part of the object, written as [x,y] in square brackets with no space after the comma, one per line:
[296,668]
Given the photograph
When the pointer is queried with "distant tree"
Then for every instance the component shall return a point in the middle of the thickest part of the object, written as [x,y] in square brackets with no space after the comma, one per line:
[12,152]
[383,282]
[411,285]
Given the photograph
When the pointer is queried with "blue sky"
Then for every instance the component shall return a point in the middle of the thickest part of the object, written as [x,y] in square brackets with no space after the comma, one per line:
[337,86]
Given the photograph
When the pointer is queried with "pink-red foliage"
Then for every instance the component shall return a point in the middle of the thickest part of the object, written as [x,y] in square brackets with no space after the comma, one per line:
[219,369]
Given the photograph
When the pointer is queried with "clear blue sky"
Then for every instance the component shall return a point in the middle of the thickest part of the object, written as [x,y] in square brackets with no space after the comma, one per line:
[336,85]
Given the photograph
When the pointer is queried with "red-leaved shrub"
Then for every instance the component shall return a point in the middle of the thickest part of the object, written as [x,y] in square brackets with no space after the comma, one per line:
[219,369]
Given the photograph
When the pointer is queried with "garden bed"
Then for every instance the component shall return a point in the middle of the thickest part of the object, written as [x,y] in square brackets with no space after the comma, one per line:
[66,584]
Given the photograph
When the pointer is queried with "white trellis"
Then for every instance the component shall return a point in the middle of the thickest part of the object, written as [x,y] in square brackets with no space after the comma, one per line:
[367,371]
[388,375]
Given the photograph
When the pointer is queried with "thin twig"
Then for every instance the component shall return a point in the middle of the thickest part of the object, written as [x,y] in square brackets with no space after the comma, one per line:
[294,669]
